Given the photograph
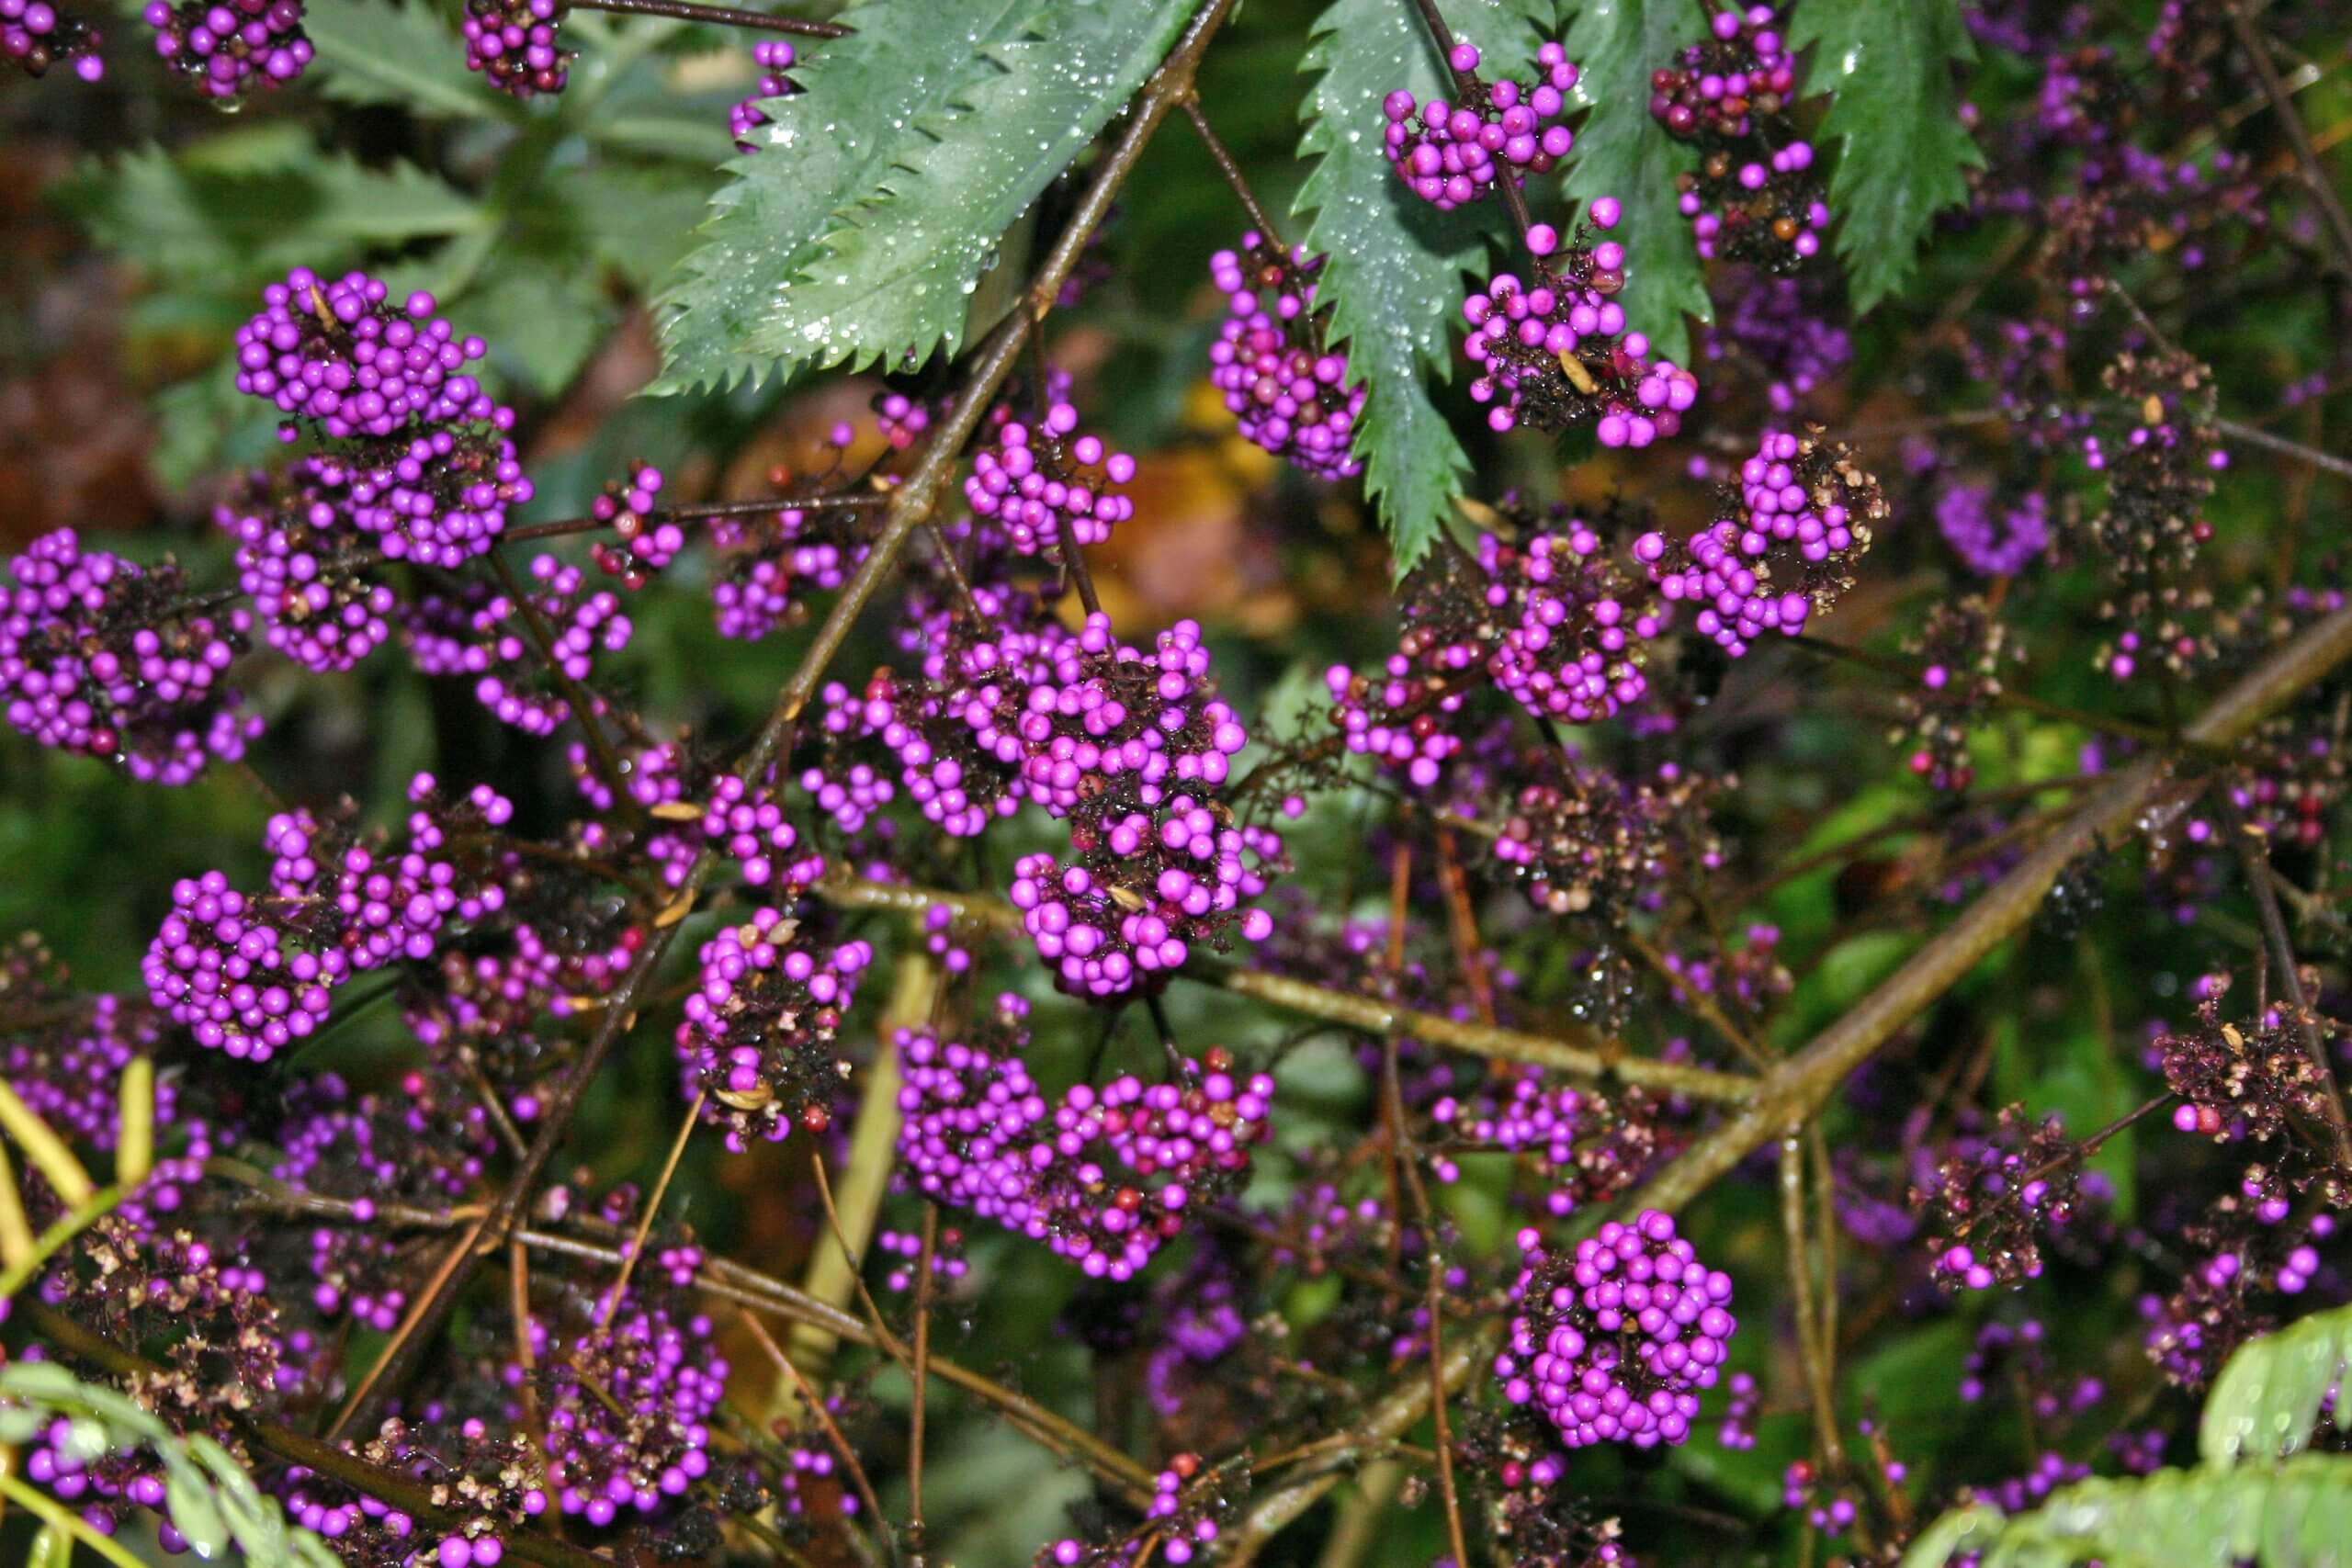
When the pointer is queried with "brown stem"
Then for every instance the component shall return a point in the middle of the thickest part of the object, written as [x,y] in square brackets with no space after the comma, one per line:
[1697,1002]
[824,1419]
[1462,917]
[652,1210]
[563,528]
[1808,1318]
[2257,53]
[1433,1271]
[922,1372]
[714,15]
[1802,1082]
[1222,155]
[1585,1053]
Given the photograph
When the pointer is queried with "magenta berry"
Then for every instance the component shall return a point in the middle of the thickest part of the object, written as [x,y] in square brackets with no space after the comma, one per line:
[1450,154]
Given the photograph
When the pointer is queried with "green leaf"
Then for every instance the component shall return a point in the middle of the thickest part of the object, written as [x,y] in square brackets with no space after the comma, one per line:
[1623,152]
[640,222]
[1392,274]
[204,423]
[541,321]
[1896,112]
[858,231]
[188,216]
[211,1498]
[2268,1398]
[373,51]
[2296,1515]
[52,1548]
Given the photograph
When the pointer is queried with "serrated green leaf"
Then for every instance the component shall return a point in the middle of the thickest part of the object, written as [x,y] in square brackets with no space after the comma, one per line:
[1622,150]
[376,51]
[1392,273]
[883,185]
[186,215]
[1896,112]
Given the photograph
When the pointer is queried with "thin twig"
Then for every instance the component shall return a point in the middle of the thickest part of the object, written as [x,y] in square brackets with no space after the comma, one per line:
[824,1419]
[405,1493]
[702,512]
[652,1210]
[2257,53]
[922,1372]
[584,707]
[1222,155]
[1794,1089]
[2256,435]
[716,15]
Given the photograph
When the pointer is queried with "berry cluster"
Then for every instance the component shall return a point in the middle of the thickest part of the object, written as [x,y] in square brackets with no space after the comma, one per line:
[1104,1176]
[423,456]
[2157,447]
[1288,390]
[648,543]
[513,42]
[1753,196]
[409,1147]
[1992,1198]
[228,46]
[1786,329]
[629,1399]
[1042,482]
[35,36]
[1613,1344]
[307,567]
[1806,512]
[1133,748]
[250,975]
[337,352]
[761,1029]
[1588,840]
[747,825]
[770,568]
[1554,350]
[101,658]
[2235,1083]
[1450,153]
[1545,614]
[1965,646]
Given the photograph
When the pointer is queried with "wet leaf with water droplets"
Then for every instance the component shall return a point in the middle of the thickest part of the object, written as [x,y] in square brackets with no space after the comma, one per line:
[867,244]
[1394,267]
